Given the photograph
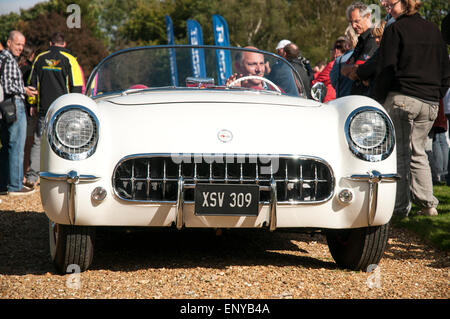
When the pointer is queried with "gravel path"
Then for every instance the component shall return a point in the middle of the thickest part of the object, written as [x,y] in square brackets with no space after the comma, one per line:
[198,264]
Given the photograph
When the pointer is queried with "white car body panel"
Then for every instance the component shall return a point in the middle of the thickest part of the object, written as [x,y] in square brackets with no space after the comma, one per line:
[187,122]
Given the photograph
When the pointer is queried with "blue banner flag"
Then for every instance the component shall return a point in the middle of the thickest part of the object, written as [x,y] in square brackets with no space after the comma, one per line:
[195,37]
[172,57]
[223,58]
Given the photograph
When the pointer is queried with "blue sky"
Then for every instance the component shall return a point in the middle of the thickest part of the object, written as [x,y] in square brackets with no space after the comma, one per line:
[6,6]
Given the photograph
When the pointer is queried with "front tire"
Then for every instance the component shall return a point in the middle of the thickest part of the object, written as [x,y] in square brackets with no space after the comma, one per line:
[358,248]
[71,245]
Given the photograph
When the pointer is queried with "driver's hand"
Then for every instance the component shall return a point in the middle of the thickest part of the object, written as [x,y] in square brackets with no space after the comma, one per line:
[232,78]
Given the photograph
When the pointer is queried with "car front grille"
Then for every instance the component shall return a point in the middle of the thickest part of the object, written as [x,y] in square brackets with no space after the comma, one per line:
[155,178]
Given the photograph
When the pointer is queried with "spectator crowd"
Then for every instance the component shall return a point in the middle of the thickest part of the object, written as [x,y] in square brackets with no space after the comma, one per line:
[29,84]
[401,62]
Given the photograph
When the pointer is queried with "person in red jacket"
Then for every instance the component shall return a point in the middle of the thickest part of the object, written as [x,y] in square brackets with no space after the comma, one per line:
[340,47]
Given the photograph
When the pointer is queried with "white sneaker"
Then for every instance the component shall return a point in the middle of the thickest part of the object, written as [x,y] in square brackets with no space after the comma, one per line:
[428,211]
[24,191]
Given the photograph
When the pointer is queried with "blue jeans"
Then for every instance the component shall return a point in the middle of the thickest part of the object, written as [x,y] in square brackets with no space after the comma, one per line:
[11,154]
[440,153]
[448,163]
[35,154]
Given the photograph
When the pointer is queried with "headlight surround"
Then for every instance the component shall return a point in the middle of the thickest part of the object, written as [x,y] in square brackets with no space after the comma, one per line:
[73,132]
[370,134]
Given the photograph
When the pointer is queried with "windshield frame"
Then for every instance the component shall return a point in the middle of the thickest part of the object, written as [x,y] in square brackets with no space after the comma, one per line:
[181,46]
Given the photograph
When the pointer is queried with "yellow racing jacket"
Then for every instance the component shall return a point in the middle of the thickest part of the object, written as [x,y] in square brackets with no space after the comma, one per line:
[55,72]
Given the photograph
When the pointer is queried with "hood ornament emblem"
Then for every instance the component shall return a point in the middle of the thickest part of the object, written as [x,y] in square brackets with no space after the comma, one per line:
[225,136]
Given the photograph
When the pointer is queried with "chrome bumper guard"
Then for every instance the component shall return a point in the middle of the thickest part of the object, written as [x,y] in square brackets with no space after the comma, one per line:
[72,178]
[374,178]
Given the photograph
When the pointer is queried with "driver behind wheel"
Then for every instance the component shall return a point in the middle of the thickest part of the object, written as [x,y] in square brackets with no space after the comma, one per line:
[249,63]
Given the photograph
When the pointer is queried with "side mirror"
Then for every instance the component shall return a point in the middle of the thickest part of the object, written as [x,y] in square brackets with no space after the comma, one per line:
[318,91]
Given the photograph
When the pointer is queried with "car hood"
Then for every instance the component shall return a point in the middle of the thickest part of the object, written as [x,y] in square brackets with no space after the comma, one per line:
[191,123]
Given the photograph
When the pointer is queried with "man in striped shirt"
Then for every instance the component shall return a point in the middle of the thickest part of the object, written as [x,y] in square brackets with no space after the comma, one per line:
[13,135]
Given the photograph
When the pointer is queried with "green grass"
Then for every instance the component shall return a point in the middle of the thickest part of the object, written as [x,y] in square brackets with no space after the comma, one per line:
[435,230]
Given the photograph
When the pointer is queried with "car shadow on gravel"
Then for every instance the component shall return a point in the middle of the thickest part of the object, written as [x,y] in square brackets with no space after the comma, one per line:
[190,248]
[24,248]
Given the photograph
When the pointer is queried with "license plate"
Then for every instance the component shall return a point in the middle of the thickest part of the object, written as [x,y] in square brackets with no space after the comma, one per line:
[226,199]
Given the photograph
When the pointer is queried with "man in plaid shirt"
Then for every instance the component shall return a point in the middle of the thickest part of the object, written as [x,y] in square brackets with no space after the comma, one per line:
[13,135]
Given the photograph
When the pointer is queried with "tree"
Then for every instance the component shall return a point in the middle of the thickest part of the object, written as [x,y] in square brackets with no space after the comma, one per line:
[259,23]
[7,23]
[111,18]
[435,10]
[42,20]
[145,24]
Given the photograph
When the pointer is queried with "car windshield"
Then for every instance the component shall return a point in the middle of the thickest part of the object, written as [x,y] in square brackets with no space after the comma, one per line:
[194,67]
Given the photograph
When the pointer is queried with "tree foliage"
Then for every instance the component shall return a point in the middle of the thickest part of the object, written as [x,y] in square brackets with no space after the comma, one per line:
[109,25]
[41,21]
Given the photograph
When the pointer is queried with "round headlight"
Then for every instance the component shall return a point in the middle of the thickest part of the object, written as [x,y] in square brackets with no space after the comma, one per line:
[73,132]
[74,128]
[368,129]
[370,134]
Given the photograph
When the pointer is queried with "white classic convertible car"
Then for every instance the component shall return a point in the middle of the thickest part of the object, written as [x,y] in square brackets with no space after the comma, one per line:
[168,137]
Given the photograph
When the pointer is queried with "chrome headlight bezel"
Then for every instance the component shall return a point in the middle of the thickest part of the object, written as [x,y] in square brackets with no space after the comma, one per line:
[382,148]
[63,148]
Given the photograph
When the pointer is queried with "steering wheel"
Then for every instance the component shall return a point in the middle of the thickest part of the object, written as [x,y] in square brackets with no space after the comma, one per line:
[255,77]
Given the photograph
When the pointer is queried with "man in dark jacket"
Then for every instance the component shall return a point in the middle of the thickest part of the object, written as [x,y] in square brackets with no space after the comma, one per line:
[280,72]
[359,17]
[55,72]
[292,54]
[413,74]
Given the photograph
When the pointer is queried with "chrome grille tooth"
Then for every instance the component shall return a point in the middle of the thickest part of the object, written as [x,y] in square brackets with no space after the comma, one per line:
[241,170]
[271,171]
[316,181]
[226,172]
[195,173]
[210,173]
[133,186]
[301,182]
[164,179]
[286,180]
[148,179]
[257,173]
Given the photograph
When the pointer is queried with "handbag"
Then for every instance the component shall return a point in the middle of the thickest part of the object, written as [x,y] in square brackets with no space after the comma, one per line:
[8,111]
[7,106]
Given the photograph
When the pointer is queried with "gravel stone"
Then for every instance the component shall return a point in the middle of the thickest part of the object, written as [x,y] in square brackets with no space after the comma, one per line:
[198,264]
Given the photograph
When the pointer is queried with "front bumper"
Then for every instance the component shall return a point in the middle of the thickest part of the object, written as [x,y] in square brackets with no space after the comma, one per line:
[69,199]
